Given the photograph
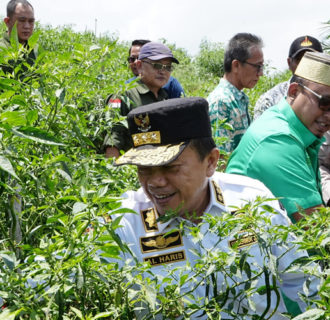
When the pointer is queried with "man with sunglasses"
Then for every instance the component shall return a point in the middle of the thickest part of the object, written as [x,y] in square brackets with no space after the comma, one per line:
[243,65]
[172,87]
[297,50]
[281,147]
[154,67]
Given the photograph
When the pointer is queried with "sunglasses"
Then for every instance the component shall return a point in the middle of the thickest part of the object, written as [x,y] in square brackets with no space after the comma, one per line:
[132,59]
[259,67]
[160,66]
[324,101]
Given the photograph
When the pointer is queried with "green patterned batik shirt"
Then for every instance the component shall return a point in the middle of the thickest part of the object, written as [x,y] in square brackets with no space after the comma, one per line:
[227,102]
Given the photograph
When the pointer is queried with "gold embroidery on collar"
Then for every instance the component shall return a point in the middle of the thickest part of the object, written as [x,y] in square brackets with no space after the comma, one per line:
[218,193]
[149,220]
[166,258]
[161,242]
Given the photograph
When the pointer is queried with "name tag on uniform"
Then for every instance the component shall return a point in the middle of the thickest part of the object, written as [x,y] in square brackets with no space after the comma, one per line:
[166,258]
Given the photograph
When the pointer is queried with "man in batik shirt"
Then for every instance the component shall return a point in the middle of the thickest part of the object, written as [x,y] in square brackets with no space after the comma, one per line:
[243,65]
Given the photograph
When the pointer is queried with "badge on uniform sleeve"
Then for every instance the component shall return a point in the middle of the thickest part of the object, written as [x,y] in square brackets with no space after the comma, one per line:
[114,103]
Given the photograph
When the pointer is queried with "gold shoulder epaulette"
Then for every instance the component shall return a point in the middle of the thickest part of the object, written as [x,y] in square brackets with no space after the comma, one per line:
[218,193]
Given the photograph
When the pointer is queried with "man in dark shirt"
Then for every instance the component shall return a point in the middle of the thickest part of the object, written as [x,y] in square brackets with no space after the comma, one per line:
[154,67]
[172,87]
[21,13]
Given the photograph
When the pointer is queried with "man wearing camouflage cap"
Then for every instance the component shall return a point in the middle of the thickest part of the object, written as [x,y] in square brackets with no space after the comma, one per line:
[176,161]
[281,147]
[154,66]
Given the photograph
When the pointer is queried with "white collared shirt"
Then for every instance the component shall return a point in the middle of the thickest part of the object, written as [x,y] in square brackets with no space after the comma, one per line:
[151,241]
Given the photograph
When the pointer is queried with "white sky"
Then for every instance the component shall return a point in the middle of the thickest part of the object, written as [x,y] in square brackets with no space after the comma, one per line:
[187,22]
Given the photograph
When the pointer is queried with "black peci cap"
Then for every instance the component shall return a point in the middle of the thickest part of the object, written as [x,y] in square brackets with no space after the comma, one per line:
[161,131]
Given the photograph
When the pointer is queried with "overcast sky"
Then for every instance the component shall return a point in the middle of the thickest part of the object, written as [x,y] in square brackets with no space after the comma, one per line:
[187,22]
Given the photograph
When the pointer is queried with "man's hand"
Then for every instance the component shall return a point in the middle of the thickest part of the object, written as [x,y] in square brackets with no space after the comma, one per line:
[112,152]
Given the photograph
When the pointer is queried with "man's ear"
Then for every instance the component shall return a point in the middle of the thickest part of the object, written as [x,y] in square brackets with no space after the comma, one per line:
[212,162]
[234,65]
[139,65]
[288,60]
[293,90]
[7,21]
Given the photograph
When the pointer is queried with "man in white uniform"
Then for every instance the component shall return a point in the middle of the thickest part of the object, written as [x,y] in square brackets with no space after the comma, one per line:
[176,159]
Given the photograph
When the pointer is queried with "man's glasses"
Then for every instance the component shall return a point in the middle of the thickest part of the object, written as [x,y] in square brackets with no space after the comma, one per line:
[259,67]
[324,102]
[160,66]
[132,59]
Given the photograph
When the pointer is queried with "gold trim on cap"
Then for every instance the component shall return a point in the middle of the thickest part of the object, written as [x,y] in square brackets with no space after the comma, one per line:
[140,139]
[151,155]
[315,66]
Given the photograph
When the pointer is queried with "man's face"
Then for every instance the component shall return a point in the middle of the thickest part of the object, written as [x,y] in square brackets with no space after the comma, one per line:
[306,106]
[250,71]
[153,78]
[182,184]
[24,16]
[135,50]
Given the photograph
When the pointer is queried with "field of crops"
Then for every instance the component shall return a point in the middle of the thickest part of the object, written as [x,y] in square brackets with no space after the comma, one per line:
[57,255]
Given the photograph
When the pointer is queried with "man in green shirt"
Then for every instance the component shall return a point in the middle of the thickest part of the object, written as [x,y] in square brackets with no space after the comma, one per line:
[281,147]
[155,67]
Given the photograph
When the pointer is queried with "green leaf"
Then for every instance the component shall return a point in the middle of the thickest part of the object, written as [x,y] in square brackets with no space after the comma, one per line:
[32,117]
[60,94]
[34,39]
[102,192]
[64,175]
[8,84]
[8,260]
[37,135]
[6,165]
[78,207]
[103,315]
[14,37]
[312,314]
[13,118]
[80,278]
[19,99]
[7,94]
[7,314]
[94,47]
[77,312]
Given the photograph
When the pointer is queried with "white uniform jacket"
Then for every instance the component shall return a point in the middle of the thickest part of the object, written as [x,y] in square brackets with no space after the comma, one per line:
[148,242]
